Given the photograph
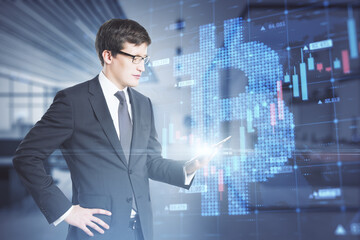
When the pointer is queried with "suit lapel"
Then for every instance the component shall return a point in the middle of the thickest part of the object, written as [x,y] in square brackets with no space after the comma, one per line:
[98,103]
[135,110]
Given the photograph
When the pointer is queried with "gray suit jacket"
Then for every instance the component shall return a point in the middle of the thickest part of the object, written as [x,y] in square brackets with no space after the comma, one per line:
[79,123]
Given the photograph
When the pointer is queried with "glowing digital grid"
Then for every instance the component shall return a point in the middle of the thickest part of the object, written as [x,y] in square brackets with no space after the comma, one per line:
[260,109]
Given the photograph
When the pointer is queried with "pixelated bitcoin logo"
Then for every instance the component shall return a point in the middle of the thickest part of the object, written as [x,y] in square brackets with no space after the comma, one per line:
[260,109]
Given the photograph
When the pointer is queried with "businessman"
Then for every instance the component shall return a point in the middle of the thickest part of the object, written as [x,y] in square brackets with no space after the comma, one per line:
[106,132]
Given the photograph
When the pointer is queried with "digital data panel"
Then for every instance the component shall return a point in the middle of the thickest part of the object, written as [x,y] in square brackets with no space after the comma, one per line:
[260,111]
[283,81]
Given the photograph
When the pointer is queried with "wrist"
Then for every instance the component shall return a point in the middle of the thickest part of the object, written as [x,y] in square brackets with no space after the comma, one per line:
[189,167]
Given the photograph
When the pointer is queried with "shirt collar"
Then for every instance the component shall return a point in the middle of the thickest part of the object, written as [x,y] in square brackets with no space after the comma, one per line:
[109,88]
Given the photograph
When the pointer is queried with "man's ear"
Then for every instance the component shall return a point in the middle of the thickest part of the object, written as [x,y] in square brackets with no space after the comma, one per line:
[106,54]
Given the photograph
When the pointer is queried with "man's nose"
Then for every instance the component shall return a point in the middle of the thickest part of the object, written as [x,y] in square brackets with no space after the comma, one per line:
[141,66]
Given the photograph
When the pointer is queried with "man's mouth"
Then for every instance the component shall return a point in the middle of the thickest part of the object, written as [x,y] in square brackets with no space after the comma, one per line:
[137,76]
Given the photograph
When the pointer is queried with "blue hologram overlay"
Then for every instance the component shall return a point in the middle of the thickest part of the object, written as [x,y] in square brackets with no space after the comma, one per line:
[275,139]
[352,34]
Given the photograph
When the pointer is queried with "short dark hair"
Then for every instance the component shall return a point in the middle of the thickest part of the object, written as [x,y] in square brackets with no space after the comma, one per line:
[115,32]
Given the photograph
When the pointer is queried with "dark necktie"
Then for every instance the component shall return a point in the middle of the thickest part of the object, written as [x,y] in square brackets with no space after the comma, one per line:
[125,126]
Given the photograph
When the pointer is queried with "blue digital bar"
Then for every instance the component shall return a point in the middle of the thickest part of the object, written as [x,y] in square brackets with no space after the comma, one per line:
[249,121]
[164,142]
[311,63]
[304,92]
[352,35]
[242,146]
[295,81]
[287,78]
[171,133]
[337,63]
[228,171]
[257,111]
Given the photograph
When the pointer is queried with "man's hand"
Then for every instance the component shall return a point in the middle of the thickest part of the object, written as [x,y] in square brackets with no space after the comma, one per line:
[200,161]
[203,159]
[83,217]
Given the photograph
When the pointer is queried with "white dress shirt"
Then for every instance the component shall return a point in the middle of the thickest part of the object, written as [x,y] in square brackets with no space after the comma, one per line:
[109,89]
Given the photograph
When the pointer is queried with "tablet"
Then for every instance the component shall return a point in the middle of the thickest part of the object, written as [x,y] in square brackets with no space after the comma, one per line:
[213,146]
[221,142]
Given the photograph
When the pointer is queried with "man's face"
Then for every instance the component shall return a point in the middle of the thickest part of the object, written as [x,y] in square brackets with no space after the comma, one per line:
[122,71]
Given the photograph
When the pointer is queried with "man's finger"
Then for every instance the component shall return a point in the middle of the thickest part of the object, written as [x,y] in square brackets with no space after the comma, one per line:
[100,222]
[96,227]
[87,231]
[100,211]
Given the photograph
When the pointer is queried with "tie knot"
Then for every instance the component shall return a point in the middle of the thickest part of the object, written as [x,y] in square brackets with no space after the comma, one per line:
[121,96]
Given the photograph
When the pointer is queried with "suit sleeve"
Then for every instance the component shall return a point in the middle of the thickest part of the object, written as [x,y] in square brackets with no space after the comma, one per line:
[48,134]
[159,168]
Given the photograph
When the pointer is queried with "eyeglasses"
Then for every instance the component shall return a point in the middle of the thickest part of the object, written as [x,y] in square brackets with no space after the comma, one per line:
[135,59]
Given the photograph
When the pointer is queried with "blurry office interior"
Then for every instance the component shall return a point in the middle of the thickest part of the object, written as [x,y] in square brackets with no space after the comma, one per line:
[48,45]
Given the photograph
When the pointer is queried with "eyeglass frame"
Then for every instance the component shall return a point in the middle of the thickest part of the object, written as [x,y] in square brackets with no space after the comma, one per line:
[145,59]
